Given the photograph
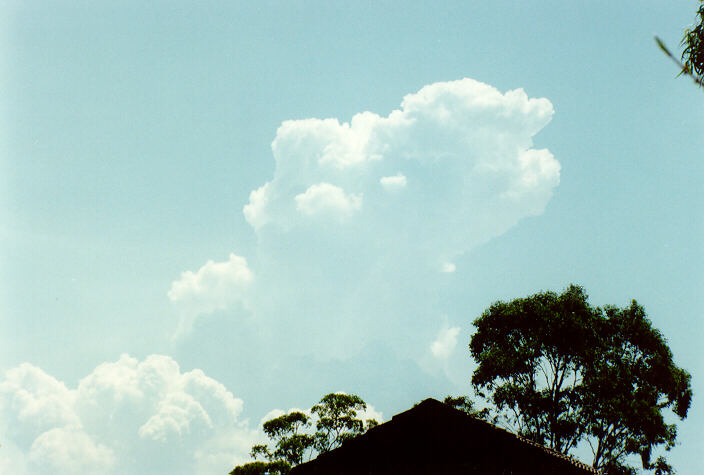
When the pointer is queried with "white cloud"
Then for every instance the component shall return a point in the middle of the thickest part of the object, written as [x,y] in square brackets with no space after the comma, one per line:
[35,401]
[215,286]
[394,182]
[12,458]
[371,413]
[359,217]
[326,198]
[175,416]
[327,143]
[445,342]
[126,416]
[254,211]
[69,450]
[465,145]
[274,413]
[449,268]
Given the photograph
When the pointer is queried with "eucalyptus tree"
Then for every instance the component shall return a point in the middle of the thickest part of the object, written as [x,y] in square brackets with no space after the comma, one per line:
[561,372]
[338,420]
[337,417]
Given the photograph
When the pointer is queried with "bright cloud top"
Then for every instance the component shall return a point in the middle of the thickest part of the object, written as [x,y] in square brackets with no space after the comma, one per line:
[445,342]
[118,419]
[461,150]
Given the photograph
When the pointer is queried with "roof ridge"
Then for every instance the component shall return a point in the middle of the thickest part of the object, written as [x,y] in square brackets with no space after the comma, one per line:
[573,460]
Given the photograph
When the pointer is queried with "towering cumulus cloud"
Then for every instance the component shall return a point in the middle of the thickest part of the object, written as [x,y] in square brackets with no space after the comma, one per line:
[362,220]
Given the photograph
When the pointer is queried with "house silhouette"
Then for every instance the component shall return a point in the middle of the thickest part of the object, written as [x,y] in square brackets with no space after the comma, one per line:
[433,437]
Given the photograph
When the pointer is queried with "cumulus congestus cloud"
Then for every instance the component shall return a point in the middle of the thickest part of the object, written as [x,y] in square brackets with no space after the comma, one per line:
[361,219]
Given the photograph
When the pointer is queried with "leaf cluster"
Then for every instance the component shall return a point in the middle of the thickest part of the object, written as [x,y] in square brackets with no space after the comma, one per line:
[692,59]
[258,468]
[693,42]
[559,372]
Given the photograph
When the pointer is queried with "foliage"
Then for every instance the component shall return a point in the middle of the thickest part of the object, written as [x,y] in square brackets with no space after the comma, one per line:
[258,468]
[529,357]
[692,59]
[336,419]
[465,404]
[290,444]
[560,371]
[693,42]
[631,380]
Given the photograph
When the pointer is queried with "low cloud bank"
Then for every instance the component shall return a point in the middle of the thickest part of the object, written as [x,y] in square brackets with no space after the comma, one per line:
[126,416]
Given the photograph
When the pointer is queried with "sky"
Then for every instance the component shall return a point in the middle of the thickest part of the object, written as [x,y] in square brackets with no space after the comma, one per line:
[210,211]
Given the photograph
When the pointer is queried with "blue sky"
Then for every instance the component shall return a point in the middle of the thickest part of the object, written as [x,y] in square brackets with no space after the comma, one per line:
[158,297]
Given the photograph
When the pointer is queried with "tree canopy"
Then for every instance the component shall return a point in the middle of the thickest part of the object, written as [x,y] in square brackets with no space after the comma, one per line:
[337,418]
[560,371]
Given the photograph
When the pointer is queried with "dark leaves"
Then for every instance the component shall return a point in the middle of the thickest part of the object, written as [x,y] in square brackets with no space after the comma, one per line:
[561,371]
[693,42]
[465,404]
[692,63]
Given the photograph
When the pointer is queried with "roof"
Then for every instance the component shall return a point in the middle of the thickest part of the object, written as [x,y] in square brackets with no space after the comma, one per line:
[433,437]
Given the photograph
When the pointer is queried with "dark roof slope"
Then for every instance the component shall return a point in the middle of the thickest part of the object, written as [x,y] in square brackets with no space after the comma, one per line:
[433,437]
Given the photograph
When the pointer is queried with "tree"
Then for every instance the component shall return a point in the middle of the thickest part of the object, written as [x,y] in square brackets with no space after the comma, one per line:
[634,369]
[290,443]
[465,404]
[692,59]
[560,372]
[337,419]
